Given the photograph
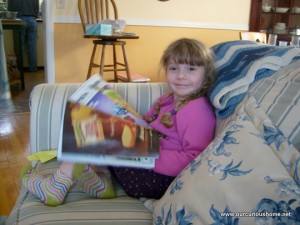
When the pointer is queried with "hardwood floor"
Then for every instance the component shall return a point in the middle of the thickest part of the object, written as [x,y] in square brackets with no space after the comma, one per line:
[14,140]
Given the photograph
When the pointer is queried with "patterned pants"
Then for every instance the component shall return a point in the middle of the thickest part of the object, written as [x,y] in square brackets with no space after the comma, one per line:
[142,182]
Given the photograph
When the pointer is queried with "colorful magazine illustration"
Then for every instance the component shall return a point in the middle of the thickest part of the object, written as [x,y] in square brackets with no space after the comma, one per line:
[99,127]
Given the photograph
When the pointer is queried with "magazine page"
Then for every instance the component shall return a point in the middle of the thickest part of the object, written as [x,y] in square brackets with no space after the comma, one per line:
[100,128]
[97,94]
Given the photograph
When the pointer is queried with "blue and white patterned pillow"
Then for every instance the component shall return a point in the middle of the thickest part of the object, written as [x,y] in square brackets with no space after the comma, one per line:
[249,172]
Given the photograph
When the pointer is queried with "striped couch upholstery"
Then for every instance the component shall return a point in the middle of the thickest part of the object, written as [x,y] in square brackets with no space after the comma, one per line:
[279,96]
[47,105]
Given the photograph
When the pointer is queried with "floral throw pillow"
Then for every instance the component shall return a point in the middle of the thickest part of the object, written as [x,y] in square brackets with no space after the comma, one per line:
[250,174]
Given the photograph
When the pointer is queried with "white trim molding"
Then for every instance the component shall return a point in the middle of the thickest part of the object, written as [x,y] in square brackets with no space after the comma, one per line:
[163,23]
[49,41]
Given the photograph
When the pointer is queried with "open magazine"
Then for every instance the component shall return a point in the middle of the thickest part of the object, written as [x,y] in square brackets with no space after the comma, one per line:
[99,127]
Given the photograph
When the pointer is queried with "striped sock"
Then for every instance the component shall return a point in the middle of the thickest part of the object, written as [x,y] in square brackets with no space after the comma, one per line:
[52,190]
[98,186]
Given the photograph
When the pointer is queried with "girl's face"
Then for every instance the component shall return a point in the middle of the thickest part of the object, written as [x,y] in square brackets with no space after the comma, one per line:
[184,79]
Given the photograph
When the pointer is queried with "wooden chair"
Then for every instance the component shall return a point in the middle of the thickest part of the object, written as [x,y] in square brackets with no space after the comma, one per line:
[91,12]
[253,36]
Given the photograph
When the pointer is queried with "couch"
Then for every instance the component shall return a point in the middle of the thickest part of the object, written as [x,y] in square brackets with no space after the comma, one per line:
[252,167]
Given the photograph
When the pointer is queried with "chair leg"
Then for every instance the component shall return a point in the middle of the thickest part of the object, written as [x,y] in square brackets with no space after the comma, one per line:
[126,64]
[115,63]
[91,62]
[102,60]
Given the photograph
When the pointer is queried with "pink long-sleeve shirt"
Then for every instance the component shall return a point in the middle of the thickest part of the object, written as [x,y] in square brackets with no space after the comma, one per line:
[191,133]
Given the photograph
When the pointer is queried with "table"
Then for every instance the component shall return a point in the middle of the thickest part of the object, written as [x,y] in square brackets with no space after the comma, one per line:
[114,36]
[16,25]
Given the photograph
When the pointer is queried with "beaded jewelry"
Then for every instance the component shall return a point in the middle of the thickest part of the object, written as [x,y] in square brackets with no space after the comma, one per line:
[166,119]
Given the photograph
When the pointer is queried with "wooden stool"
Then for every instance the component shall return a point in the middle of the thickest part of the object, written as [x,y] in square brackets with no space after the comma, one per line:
[93,12]
[115,66]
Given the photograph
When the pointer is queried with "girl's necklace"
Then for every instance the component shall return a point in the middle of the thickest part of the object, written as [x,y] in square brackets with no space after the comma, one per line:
[157,107]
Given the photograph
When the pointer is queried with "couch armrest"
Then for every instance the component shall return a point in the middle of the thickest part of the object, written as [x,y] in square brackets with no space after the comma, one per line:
[47,103]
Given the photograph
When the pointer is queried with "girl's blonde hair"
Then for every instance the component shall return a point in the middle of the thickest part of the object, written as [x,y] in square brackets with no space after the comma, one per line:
[190,52]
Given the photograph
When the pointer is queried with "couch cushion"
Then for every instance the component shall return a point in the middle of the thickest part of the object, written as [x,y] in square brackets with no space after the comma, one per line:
[79,207]
[249,167]
[279,96]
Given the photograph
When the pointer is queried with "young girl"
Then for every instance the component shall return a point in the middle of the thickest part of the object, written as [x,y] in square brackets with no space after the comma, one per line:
[184,117]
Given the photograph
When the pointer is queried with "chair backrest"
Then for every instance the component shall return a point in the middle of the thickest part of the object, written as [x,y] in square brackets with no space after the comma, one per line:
[253,36]
[93,11]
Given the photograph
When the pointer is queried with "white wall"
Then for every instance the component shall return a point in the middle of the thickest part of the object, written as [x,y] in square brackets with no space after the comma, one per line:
[215,14]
